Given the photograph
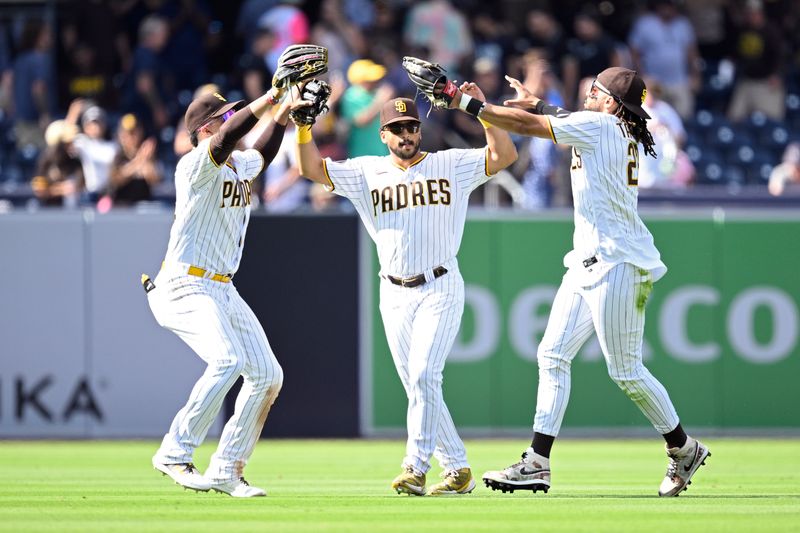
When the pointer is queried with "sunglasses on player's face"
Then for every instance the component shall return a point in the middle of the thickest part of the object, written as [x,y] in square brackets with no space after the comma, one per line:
[225,116]
[398,127]
[599,87]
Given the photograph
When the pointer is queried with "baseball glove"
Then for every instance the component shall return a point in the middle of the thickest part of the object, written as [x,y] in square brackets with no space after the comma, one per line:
[430,80]
[316,92]
[300,62]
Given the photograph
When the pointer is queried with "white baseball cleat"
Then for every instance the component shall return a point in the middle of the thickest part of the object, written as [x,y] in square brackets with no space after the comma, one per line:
[238,488]
[532,473]
[683,463]
[184,474]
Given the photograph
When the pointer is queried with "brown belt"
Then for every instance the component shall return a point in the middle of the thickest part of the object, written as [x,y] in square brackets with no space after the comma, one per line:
[419,279]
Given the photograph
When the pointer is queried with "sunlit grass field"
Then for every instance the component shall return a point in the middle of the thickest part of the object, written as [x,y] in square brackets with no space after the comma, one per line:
[343,485]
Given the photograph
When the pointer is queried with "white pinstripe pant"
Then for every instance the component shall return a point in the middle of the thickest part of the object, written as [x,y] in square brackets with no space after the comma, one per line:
[609,308]
[221,328]
[421,325]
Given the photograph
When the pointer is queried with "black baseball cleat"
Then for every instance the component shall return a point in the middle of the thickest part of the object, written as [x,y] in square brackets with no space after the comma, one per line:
[532,473]
[508,487]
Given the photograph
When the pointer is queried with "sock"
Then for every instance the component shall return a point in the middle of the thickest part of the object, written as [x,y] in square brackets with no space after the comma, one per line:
[676,438]
[542,444]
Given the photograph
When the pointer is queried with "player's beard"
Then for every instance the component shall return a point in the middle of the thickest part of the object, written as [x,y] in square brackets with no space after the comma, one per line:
[406,149]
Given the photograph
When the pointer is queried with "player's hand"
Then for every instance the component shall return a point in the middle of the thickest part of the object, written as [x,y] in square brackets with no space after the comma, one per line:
[524,99]
[289,105]
[471,89]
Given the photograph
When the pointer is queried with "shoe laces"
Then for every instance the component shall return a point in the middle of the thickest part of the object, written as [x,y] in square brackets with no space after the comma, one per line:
[413,471]
[524,461]
[243,481]
[452,473]
[672,469]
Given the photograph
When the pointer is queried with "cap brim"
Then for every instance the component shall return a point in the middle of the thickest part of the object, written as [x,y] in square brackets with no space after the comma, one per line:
[237,105]
[637,110]
[400,119]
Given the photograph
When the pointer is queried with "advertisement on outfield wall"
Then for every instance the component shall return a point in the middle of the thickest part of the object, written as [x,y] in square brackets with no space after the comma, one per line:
[81,354]
[722,330]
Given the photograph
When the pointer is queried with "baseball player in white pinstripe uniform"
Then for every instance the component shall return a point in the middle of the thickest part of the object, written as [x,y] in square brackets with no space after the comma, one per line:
[611,270]
[414,204]
[193,294]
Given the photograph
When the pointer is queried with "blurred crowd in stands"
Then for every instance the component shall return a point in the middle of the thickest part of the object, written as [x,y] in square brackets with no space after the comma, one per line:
[92,92]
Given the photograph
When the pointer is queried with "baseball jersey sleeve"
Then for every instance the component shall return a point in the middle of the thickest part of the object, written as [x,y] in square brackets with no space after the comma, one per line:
[471,167]
[346,178]
[198,166]
[581,130]
[249,163]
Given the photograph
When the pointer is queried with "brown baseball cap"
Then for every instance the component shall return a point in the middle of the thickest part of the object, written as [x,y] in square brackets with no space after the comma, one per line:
[397,110]
[208,106]
[627,87]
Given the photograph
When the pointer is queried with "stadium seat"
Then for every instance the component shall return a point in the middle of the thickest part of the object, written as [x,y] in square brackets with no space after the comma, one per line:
[707,120]
[758,174]
[734,174]
[729,138]
[716,87]
[703,154]
[25,159]
[710,172]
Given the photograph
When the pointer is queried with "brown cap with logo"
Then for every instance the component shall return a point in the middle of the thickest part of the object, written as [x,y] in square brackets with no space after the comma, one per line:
[206,107]
[397,110]
[627,86]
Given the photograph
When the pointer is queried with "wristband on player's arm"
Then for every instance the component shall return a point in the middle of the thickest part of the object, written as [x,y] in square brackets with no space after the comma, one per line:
[471,105]
[543,108]
[304,134]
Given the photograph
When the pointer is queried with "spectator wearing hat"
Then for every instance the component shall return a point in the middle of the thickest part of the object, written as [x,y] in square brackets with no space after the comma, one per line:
[92,148]
[58,172]
[360,106]
[135,170]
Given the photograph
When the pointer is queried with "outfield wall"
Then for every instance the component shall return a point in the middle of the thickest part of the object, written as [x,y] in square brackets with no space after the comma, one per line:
[81,355]
[722,329]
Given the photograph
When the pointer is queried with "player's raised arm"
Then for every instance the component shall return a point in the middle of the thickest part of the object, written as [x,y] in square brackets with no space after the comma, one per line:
[234,127]
[309,101]
[269,142]
[502,151]
[509,119]
[309,159]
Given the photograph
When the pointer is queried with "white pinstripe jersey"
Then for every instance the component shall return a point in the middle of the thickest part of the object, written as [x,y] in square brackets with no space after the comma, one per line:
[212,208]
[415,216]
[604,171]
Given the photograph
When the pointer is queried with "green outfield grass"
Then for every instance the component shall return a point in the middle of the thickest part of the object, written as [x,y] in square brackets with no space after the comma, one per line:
[747,485]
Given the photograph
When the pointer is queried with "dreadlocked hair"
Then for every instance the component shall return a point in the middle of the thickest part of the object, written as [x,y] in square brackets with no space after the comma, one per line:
[637,126]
